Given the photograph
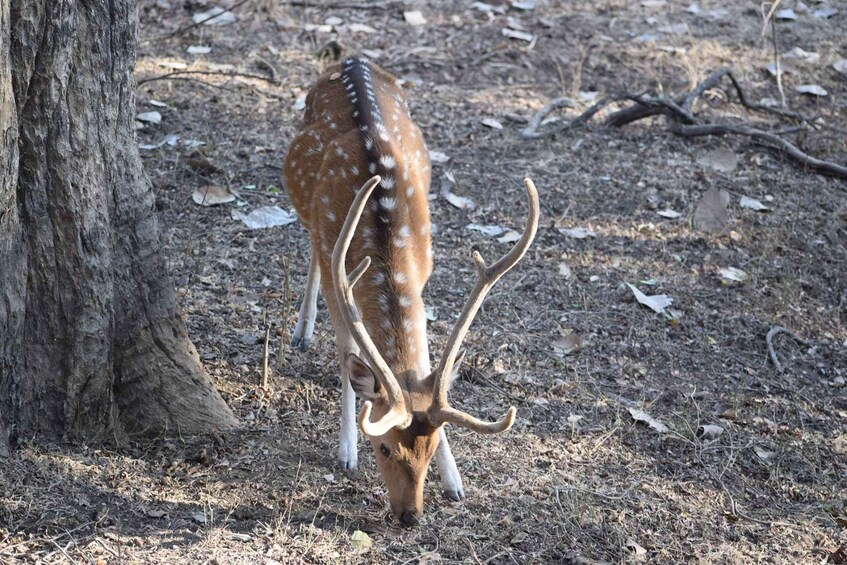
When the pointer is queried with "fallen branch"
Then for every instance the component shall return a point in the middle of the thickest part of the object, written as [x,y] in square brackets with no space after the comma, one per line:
[774,331]
[791,150]
[684,122]
[228,74]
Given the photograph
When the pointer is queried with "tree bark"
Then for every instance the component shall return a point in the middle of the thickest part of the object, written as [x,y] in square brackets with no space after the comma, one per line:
[92,347]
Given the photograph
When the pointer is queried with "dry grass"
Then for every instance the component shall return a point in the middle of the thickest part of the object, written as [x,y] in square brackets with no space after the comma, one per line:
[576,480]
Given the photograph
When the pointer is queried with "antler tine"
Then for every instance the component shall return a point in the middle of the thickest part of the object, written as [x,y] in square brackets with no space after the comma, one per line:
[396,415]
[441,412]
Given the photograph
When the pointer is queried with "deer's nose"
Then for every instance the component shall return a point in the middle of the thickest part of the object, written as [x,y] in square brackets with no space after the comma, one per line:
[409,519]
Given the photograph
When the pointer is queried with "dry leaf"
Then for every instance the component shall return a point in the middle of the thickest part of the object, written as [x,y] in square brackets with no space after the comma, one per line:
[488,8]
[153,117]
[578,233]
[709,431]
[675,29]
[202,164]
[460,202]
[199,50]
[264,217]
[517,34]
[523,5]
[811,89]
[414,18]
[567,345]
[641,416]
[438,157]
[672,214]
[240,537]
[170,140]
[825,12]
[786,68]
[733,274]
[520,537]
[639,551]
[492,123]
[491,231]
[763,454]
[361,540]
[786,14]
[361,28]
[721,159]
[214,17]
[802,55]
[564,270]
[752,204]
[657,303]
[711,212]
[212,195]
[199,518]
[511,236]
[728,414]
[156,513]
[840,66]
[177,65]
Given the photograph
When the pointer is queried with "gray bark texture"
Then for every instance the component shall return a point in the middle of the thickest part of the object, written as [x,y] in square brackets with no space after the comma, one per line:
[90,343]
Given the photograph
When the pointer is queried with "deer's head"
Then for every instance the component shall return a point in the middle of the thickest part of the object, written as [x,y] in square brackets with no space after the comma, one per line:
[402,414]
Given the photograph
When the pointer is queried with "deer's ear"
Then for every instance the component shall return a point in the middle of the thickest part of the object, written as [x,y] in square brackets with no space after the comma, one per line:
[457,366]
[362,379]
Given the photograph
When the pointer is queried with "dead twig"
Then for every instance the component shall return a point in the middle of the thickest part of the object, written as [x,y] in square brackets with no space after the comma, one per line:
[774,331]
[286,312]
[265,353]
[769,18]
[342,5]
[228,74]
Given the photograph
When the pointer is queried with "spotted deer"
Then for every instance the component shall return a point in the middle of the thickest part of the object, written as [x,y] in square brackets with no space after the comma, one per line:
[357,132]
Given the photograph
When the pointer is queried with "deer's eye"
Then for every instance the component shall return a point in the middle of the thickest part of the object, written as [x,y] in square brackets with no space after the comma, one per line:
[384,450]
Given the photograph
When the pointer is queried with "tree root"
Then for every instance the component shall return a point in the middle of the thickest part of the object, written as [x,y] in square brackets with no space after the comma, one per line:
[685,123]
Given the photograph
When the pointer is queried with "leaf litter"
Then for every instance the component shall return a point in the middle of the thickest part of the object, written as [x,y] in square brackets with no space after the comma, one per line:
[657,303]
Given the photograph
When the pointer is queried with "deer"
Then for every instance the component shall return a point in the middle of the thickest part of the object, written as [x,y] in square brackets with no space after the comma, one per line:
[358,175]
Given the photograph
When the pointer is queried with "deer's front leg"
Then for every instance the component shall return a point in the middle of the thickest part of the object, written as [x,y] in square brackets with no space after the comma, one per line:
[451,480]
[348,453]
[305,327]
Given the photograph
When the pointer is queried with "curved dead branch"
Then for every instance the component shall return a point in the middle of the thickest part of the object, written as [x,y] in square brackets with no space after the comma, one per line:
[684,122]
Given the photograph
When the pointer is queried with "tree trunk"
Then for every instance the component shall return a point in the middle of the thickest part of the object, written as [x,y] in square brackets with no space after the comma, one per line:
[91,345]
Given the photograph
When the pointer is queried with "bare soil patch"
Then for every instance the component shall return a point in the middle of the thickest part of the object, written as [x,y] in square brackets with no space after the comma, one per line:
[577,480]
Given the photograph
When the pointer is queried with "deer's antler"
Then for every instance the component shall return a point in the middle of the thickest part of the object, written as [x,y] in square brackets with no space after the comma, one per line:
[440,412]
[397,416]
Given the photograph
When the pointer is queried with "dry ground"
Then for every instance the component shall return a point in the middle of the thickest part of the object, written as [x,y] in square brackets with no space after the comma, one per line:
[577,480]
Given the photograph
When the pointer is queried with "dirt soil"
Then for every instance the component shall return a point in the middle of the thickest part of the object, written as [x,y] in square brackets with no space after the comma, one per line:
[578,479]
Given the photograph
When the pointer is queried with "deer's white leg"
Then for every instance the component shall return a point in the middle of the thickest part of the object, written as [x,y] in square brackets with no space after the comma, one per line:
[348,454]
[309,307]
[451,481]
